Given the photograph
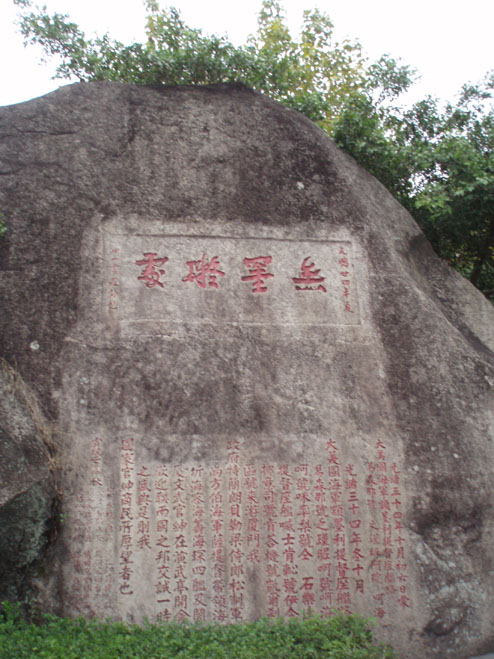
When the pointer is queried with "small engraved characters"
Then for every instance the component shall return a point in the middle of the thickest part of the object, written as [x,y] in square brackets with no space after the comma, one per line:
[345,282]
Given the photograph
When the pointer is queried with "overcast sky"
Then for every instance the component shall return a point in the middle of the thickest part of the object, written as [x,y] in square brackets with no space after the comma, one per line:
[447,41]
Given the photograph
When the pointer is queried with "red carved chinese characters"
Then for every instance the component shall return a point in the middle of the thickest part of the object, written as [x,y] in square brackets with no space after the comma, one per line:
[181,595]
[339,539]
[99,521]
[305,536]
[353,506]
[199,558]
[163,545]
[268,510]
[127,482]
[144,493]
[236,584]
[287,546]
[323,541]
[257,267]
[152,271]
[113,284]
[327,270]
[387,544]
[204,272]
[96,466]
[309,278]
[319,536]
[218,545]
[251,512]
[344,264]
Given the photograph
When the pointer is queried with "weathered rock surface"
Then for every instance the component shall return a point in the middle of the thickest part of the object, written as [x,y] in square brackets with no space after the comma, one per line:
[27,488]
[274,396]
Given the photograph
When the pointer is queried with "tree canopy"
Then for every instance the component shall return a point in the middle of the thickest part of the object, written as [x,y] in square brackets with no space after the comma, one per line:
[438,161]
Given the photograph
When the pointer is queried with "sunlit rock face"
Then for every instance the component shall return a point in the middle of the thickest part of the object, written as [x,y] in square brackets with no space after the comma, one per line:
[273,397]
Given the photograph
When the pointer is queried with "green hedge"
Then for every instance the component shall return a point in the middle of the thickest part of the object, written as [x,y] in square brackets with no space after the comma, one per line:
[338,637]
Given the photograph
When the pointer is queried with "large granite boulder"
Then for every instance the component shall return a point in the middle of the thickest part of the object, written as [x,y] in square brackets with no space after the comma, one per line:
[274,397]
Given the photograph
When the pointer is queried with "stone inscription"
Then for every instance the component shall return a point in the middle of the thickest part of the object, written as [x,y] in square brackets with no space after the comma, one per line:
[236,540]
[228,280]
[113,283]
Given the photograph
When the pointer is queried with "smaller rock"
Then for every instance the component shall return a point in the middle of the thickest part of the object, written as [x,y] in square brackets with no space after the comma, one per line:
[27,485]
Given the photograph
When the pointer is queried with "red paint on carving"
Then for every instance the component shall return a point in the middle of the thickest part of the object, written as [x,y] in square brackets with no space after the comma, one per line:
[257,267]
[204,272]
[309,278]
[152,271]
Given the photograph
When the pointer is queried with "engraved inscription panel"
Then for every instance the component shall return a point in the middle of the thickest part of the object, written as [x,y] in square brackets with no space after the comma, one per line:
[239,538]
[168,279]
